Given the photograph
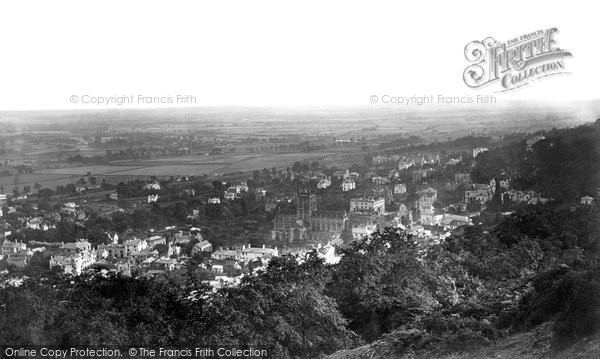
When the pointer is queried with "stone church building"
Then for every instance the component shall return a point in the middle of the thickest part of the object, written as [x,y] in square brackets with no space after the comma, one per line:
[307,223]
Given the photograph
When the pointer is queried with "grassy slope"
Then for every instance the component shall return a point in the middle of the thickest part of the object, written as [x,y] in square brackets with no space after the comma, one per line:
[533,344]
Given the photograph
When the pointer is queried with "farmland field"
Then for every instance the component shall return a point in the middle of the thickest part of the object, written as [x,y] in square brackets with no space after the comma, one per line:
[190,165]
[29,179]
[170,170]
[82,170]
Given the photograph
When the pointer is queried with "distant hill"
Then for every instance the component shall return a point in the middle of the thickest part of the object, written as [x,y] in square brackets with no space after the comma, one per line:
[563,166]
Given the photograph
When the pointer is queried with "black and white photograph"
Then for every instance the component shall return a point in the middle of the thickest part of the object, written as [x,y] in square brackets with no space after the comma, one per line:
[299,179]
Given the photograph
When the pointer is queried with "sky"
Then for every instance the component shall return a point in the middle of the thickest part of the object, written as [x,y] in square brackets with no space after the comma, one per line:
[272,53]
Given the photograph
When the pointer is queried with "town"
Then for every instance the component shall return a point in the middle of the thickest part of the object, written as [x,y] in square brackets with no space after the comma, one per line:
[146,226]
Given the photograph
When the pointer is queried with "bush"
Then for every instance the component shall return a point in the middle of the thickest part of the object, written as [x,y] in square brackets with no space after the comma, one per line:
[568,296]
[581,316]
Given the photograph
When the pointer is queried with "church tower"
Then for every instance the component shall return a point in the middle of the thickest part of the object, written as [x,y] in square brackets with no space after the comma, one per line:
[306,204]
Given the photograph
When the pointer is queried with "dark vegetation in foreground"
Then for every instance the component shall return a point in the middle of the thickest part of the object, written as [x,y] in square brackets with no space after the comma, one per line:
[539,265]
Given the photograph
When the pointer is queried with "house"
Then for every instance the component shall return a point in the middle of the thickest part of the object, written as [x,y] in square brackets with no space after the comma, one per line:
[237,189]
[222,281]
[405,164]
[327,253]
[481,193]
[529,197]
[459,207]
[538,199]
[167,264]
[216,268]
[361,231]
[517,196]
[134,245]
[152,186]
[453,221]
[141,256]
[123,250]
[73,264]
[479,150]
[375,205]
[20,261]
[380,180]
[586,200]
[532,141]
[152,241]
[8,248]
[348,184]
[229,195]
[36,223]
[426,216]
[74,257]
[215,200]
[250,253]
[202,246]
[233,189]
[399,188]
[426,200]
[152,198]
[324,183]
[114,196]
[225,254]
[80,246]
[354,175]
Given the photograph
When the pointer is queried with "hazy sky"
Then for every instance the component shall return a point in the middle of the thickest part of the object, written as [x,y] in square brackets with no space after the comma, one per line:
[273,52]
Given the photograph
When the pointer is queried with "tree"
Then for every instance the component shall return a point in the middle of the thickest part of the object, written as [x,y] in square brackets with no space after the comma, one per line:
[297,167]
[283,310]
[380,284]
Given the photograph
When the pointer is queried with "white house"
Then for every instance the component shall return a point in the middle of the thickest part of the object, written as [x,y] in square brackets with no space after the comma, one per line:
[479,150]
[400,188]
[348,184]
[154,186]
[360,231]
[367,205]
[250,253]
[324,183]
[585,200]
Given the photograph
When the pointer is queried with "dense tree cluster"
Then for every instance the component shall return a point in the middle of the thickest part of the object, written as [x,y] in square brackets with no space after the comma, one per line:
[564,166]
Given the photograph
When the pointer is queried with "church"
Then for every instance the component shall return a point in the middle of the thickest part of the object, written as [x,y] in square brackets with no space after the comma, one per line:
[306,223]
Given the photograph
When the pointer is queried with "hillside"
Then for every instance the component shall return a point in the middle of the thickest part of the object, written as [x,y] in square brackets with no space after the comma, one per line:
[534,344]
